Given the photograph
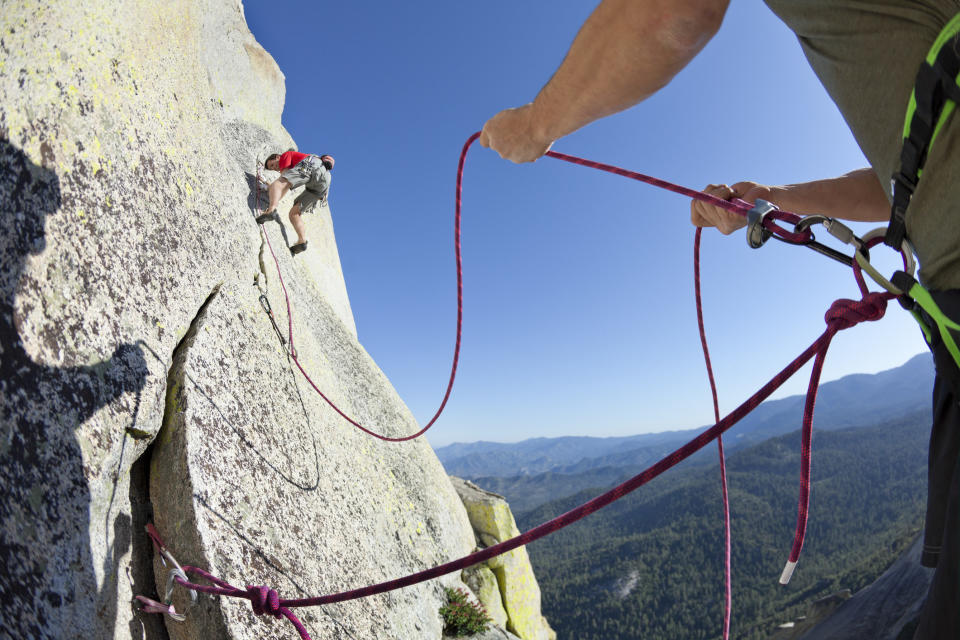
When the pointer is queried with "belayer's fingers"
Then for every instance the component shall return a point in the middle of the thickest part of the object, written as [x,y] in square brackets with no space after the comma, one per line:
[720,191]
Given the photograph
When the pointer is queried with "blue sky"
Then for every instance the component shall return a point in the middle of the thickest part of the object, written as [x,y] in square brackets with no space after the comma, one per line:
[578,285]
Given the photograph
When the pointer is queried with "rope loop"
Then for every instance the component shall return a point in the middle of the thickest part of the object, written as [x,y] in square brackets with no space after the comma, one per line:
[845,313]
[264,600]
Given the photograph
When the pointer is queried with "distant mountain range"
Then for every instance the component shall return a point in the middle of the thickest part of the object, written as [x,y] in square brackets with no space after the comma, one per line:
[651,565]
[532,472]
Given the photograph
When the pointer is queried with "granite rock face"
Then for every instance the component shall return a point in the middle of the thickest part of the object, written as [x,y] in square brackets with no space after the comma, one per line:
[882,609]
[519,595]
[142,378]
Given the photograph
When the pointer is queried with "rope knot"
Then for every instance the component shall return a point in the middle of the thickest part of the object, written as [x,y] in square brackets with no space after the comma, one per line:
[845,313]
[264,600]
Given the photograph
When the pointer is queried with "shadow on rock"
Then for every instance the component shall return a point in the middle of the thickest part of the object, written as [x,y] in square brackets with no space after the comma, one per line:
[48,587]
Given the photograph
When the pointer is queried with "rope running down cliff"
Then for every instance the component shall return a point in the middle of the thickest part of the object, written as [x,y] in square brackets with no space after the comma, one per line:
[736,206]
[841,315]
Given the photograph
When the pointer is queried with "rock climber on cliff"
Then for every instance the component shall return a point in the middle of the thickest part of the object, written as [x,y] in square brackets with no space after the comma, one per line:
[298,169]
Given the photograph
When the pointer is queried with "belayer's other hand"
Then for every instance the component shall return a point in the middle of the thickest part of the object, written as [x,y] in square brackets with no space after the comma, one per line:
[703,214]
[513,134]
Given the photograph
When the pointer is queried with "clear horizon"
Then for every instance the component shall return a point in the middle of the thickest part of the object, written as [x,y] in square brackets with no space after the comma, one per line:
[700,427]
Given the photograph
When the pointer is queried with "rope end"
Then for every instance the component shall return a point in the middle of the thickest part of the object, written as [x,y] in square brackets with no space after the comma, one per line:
[787,572]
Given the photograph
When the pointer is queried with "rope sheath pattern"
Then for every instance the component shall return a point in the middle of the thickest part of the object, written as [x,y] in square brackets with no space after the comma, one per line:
[727,538]
[842,314]
[736,206]
[456,350]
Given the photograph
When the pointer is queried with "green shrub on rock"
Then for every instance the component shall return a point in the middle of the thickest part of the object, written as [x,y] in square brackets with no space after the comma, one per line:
[462,617]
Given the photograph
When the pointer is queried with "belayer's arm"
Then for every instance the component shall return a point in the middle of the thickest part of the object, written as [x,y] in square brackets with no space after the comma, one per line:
[857,196]
[625,52]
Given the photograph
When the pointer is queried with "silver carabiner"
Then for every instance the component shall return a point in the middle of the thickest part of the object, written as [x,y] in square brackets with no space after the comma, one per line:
[906,250]
[838,230]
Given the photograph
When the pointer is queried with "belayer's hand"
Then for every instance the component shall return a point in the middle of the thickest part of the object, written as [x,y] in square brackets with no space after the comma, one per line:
[512,133]
[703,214]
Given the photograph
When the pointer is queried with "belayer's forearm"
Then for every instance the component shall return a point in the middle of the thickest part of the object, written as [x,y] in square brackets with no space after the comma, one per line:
[625,52]
[856,196]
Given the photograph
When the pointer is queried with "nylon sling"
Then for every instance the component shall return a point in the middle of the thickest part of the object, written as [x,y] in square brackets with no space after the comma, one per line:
[933,99]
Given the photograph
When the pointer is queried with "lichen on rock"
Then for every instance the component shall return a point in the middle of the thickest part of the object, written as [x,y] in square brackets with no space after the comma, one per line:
[493,522]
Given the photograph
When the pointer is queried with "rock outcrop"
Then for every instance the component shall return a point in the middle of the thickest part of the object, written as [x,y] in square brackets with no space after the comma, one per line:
[519,593]
[879,611]
[142,378]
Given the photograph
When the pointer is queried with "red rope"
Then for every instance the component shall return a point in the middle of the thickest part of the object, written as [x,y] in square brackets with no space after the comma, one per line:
[843,314]
[736,205]
[456,348]
[727,572]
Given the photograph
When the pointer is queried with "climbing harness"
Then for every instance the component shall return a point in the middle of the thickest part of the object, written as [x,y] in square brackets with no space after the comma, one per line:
[762,224]
[934,97]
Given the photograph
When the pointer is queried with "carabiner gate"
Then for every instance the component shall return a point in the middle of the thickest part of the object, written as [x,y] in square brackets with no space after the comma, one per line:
[838,230]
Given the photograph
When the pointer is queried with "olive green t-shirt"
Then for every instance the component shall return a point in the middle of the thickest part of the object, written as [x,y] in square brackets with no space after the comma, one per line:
[867,53]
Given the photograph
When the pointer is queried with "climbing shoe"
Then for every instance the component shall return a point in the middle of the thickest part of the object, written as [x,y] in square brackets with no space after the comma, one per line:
[300,247]
[264,217]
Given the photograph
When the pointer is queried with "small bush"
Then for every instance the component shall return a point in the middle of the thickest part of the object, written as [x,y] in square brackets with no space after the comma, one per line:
[462,617]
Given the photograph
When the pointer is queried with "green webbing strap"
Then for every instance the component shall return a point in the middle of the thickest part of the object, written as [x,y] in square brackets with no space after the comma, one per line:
[934,98]
[949,31]
[923,298]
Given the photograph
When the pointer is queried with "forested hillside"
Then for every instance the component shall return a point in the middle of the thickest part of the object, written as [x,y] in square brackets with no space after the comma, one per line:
[650,565]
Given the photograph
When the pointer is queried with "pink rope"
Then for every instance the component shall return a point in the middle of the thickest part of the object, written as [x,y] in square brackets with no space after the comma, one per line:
[459,332]
[841,315]
[736,205]
[727,538]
